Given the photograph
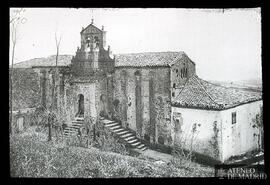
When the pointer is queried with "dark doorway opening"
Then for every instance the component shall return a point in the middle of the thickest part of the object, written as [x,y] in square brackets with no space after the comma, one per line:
[81,106]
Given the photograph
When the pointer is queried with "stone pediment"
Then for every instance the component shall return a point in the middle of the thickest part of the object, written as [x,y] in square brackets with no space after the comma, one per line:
[91,29]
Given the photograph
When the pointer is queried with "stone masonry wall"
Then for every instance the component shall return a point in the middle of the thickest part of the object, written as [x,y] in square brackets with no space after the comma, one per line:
[26,89]
[144,99]
[177,80]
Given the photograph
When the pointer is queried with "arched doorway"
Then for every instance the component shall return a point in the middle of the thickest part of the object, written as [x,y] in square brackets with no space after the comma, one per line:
[80,106]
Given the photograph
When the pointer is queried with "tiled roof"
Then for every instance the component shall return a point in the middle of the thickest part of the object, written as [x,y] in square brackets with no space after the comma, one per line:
[198,93]
[63,60]
[148,59]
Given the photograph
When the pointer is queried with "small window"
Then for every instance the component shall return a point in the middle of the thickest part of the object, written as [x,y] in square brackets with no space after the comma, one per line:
[233,117]
[173,94]
[177,70]
[181,73]
[173,85]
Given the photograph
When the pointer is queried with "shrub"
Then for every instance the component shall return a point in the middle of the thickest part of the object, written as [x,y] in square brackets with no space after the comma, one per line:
[106,141]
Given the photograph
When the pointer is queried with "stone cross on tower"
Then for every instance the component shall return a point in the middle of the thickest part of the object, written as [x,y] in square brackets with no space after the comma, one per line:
[92,15]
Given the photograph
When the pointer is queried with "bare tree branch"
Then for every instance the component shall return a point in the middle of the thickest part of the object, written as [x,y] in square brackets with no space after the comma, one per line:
[15,20]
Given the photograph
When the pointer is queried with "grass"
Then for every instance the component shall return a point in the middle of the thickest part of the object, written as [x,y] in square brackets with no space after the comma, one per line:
[32,156]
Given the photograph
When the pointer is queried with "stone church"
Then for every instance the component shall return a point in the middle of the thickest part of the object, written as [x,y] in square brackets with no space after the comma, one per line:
[157,96]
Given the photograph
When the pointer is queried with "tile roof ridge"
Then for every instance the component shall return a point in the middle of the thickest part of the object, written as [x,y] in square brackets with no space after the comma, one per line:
[150,52]
[199,83]
[185,85]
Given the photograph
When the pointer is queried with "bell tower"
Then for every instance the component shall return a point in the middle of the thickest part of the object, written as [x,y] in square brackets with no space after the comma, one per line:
[91,55]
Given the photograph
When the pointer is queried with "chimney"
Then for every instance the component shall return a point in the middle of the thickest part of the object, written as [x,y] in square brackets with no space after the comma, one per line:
[102,28]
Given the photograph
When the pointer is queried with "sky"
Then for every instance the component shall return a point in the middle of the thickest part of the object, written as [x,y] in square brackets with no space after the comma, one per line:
[225,45]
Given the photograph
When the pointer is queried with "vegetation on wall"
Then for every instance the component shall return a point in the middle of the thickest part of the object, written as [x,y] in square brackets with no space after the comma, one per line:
[26,90]
[182,150]
[162,121]
[258,124]
[214,140]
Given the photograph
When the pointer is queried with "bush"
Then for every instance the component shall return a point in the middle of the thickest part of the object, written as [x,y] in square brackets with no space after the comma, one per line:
[106,141]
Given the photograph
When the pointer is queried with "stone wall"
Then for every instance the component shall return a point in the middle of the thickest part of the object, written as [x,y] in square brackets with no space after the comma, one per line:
[92,92]
[223,142]
[242,136]
[193,129]
[180,72]
[144,101]
[26,89]
[71,97]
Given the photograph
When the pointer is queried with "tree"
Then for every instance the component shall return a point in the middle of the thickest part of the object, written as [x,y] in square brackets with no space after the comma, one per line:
[16,18]
[55,74]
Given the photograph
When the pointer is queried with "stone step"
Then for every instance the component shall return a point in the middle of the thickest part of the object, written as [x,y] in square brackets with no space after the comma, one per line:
[73,126]
[79,118]
[115,127]
[76,124]
[111,124]
[140,146]
[132,141]
[129,138]
[105,121]
[135,144]
[123,132]
[71,129]
[126,135]
[70,132]
[144,148]
[119,130]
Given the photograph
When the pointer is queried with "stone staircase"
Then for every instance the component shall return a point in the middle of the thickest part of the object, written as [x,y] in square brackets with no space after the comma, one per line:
[115,127]
[124,134]
[72,129]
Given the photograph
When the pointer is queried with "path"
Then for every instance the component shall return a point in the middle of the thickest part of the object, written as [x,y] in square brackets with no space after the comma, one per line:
[159,156]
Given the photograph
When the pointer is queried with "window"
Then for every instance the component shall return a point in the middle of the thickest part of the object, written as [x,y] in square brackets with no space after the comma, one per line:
[233,117]
[173,94]
[177,70]
[181,73]
[173,85]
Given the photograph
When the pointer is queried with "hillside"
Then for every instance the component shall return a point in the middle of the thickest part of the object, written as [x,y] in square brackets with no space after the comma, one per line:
[32,156]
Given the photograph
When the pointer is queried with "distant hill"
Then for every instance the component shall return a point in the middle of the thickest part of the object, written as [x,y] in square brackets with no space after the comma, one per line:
[250,84]
[63,60]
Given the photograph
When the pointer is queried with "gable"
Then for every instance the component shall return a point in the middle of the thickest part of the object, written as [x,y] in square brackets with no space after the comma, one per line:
[91,29]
